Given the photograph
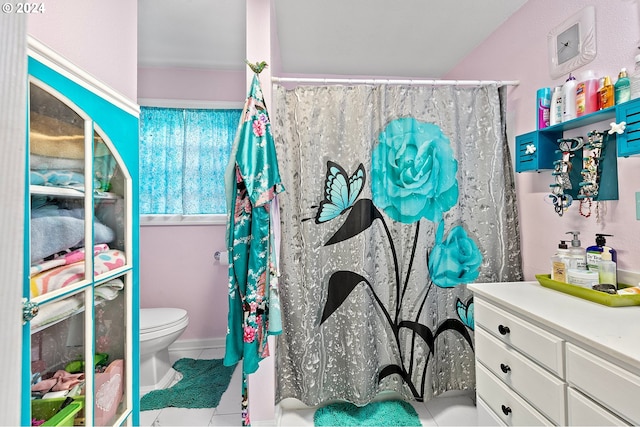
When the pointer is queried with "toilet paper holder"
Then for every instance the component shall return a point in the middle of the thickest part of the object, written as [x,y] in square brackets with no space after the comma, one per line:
[221,256]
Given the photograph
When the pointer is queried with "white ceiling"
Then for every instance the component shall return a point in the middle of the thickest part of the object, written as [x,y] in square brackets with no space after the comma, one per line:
[411,38]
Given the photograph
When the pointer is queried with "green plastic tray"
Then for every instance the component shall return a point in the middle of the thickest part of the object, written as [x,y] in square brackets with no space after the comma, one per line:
[47,409]
[590,294]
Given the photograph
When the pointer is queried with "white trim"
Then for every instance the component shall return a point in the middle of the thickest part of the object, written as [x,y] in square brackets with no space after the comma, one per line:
[427,82]
[195,104]
[63,66]
[212,219]
[197,344]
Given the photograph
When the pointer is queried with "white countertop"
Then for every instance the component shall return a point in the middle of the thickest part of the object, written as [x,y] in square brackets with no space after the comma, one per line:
[613,332]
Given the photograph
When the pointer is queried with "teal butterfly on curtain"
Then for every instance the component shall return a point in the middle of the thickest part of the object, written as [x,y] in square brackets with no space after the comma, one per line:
[340,191]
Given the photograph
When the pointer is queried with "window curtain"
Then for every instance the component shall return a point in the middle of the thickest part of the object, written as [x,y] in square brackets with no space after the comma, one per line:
[397,197]
[183,156]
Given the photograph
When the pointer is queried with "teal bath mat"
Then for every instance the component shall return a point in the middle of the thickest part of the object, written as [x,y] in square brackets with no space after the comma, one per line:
[380,413]
[202,385]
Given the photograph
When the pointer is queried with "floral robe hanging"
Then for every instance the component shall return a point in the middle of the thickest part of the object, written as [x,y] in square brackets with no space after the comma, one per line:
[252,183]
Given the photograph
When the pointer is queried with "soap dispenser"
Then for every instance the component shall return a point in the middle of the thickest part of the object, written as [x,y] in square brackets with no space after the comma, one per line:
[577,254]
[594,253]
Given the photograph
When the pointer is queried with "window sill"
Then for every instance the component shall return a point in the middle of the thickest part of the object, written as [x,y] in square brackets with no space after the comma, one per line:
[162,220]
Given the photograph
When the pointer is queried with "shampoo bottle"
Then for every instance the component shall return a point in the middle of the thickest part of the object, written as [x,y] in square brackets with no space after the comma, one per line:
[606,94]
[569,99]
[594,253]
[559,263]
[622,88]
[577,254]
[555,114]
[587,94]
[607,270]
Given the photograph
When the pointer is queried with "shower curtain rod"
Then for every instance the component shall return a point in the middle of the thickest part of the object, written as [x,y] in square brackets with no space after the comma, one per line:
[429,82]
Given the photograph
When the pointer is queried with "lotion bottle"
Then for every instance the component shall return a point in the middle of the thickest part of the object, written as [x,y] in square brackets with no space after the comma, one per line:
[559,263]
[569,99]
[622,88]
[577,254]
[607,269]
[594,252]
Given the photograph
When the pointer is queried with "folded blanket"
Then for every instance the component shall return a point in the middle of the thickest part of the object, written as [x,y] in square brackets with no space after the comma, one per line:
[58,178]
[109,290]
[51,137]
[54,230]
[44,162]
[66,275]
[56,310]
[65,259]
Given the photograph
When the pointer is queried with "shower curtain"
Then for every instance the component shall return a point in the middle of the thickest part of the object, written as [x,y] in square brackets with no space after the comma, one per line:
[398,196]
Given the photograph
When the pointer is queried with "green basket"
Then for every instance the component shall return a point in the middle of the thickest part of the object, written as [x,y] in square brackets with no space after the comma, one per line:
[590,294]
[49,410]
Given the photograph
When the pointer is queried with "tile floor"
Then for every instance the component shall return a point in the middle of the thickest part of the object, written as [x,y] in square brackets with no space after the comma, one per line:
[451,409]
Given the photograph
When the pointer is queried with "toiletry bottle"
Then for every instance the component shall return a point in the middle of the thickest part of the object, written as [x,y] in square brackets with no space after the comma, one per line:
[555,114]
[587,94]
[607,98]
[634,80]
[559,263]
[599,91]
[577,254]
[622,87]
[594,253]
[544,103]
[569,99]
[607,270]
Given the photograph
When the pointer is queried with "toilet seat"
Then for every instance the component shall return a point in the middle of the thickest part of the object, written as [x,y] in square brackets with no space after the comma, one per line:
[161,319]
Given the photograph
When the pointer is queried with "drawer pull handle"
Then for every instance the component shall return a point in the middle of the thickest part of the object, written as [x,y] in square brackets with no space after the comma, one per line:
[504,330]
[506,410]
[505,368]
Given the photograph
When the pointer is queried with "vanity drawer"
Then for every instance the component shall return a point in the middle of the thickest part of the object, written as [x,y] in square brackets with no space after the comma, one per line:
[585,412]
[486,417]
[540,388]
[612,386]
[505,403]
[540,345]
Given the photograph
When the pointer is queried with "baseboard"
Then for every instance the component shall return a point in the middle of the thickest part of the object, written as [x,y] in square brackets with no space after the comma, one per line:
[197,344]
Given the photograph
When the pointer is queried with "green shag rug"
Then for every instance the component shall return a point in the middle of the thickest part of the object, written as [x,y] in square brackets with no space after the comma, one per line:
[379,413]
[202,385]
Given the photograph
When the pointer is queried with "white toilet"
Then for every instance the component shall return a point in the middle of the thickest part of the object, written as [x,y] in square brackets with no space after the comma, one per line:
[159,328]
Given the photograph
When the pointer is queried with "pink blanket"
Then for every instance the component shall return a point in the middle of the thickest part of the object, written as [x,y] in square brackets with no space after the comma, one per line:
[68,274]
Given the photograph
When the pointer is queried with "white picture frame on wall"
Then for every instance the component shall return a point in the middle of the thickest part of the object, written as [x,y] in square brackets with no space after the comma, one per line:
[572,44]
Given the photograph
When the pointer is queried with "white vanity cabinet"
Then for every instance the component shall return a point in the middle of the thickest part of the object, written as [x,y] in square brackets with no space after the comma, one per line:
[80,249]
[547,358]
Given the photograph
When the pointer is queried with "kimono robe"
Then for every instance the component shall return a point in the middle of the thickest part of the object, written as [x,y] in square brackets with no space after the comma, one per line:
[252,182]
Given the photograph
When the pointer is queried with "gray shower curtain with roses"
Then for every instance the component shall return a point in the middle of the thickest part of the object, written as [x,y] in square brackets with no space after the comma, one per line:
[398,196]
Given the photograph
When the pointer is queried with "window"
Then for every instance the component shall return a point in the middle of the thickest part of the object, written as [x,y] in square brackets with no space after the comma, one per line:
[183,157]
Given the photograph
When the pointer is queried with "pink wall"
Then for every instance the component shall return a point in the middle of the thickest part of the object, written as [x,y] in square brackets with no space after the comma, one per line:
[191,84]
[518,51]
[100,37]
[183,273]
[177,269]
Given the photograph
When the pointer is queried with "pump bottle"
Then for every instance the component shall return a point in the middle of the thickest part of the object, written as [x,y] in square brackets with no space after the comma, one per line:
[577,254]
[594,253]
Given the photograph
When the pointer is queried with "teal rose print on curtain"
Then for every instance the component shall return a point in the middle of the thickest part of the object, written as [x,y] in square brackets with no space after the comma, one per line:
[413,178]
[413,172]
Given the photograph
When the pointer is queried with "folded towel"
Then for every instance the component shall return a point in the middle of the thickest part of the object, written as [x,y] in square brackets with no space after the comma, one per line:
[109,290]
[66,275]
